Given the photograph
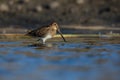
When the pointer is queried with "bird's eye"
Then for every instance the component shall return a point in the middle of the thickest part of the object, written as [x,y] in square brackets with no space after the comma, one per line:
[54,23]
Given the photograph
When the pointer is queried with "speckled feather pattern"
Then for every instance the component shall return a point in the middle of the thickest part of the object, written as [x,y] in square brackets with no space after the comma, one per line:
[43,31]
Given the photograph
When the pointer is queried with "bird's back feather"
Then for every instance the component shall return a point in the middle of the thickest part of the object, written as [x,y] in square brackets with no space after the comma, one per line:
[39,32]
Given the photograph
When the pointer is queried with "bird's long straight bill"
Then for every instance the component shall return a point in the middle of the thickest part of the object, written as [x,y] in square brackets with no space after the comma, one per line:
[62,36]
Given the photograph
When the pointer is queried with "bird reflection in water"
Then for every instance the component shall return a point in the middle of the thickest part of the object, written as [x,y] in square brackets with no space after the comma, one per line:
[43,46]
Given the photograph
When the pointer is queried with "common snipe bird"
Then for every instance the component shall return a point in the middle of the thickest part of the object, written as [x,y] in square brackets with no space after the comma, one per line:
[46,32]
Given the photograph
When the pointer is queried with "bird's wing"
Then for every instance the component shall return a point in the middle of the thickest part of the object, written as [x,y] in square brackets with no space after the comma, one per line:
[39,32]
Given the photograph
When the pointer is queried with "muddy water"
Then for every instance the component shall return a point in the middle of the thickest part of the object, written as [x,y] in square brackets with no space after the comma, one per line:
[78,59]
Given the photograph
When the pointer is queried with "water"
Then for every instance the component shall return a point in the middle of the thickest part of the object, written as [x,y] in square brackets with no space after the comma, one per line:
[78,59]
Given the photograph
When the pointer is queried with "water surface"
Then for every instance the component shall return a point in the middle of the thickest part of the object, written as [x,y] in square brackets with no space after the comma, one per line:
[78,59]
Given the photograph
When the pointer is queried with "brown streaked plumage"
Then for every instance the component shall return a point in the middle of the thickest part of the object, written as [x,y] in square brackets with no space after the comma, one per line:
[46,32]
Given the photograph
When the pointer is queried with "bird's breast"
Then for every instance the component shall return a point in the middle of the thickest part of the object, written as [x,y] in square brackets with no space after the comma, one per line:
[48,36]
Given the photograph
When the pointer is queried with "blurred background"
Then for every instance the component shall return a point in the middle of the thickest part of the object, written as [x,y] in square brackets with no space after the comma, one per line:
[70,14]
[83,57]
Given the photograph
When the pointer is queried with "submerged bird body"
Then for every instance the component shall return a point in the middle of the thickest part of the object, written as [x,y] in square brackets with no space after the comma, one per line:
[45,32]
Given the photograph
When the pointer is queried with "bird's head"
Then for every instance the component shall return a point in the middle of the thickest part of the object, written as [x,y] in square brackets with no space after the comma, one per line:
[56,27]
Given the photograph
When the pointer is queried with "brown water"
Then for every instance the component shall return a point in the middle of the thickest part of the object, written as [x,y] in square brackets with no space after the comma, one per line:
[78,59]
